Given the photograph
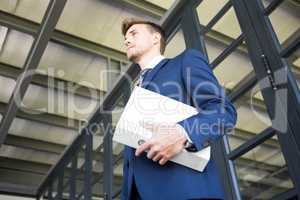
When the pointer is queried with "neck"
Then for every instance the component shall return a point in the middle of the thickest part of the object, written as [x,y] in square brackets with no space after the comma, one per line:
[146,58]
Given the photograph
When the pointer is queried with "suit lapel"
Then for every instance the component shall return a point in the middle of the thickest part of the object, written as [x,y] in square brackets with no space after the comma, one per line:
[153,72]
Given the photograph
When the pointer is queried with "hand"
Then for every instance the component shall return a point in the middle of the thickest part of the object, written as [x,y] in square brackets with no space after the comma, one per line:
[167,141]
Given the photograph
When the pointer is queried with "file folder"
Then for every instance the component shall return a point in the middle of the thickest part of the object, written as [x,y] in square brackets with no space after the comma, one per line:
[145,106]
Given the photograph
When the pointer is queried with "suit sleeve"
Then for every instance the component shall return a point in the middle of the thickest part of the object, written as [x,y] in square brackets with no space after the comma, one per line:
[216,114]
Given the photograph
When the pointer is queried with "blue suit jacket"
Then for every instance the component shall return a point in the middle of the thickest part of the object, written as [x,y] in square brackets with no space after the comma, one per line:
[189,79]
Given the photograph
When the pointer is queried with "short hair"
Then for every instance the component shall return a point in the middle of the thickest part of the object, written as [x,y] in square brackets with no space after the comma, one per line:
[127,23]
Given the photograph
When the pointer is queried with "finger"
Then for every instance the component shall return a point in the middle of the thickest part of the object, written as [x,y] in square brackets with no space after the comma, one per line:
[157,157]
[140,149]
[151,153]
[163,161]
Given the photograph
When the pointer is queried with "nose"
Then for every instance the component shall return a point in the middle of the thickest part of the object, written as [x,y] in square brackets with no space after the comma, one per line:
[126,42]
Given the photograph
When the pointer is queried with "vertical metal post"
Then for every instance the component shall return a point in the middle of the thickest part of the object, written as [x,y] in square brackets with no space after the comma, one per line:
[193,39]
[263,48]
[226,168]
[73,177]
[109,75]
[50,192]
[230,169]
[191,29]
[108,157]
[60,185]
[88,166]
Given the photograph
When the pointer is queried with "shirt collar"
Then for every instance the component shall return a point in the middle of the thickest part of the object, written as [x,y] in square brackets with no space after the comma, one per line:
[154,61]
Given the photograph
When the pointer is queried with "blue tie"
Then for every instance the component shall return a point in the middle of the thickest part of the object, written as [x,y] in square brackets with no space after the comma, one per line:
[142,76]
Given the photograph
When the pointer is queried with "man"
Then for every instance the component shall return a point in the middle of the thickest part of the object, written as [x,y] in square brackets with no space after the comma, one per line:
[148,173]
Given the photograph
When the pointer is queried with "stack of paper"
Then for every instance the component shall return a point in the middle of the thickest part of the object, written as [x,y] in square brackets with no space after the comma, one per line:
[145,106]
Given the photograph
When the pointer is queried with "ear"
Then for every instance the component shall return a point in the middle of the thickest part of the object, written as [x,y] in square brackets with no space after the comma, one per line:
[156,38]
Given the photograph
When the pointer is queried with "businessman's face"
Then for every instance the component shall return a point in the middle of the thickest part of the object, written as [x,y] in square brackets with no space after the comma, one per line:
[138,41]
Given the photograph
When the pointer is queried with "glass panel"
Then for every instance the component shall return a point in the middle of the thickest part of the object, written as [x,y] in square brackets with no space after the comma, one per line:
[28,154]
[70,82]
[81,171]
[80,174]
[262,172]
[227,26]
[238,62]
[57,102]
[285,20]
[207,9]
[55,187]
[166,4]
[13,172]
[7,85]
[97,180]
[124,66]
[118,168]
[74,65]
[266,3]
[66,183]
[9,40]
[176,45]
[101,24]
[30,9]
[31,129]
[294,63]
[3,34]
[98,133]
[12,59]
[252,118]
[113,73]
[223,33]
[17,164]
[9,197]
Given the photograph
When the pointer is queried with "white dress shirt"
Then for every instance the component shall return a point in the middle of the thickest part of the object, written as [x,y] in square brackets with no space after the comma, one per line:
[150,65]
[154,61]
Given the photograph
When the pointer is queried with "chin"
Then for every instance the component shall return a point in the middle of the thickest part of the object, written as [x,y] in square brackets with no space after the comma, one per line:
[132,57]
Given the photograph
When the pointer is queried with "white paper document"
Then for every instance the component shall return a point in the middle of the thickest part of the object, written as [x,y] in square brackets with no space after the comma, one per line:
[145,106]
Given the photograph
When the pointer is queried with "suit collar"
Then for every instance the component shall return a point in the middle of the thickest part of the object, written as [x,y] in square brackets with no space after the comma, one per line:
[154,61]
[154,72]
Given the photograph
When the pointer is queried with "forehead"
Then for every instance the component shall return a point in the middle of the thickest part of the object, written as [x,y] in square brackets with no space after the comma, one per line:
[139,27]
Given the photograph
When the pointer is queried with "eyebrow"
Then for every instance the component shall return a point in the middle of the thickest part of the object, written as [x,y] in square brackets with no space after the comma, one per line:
[129,33]
[133,30]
